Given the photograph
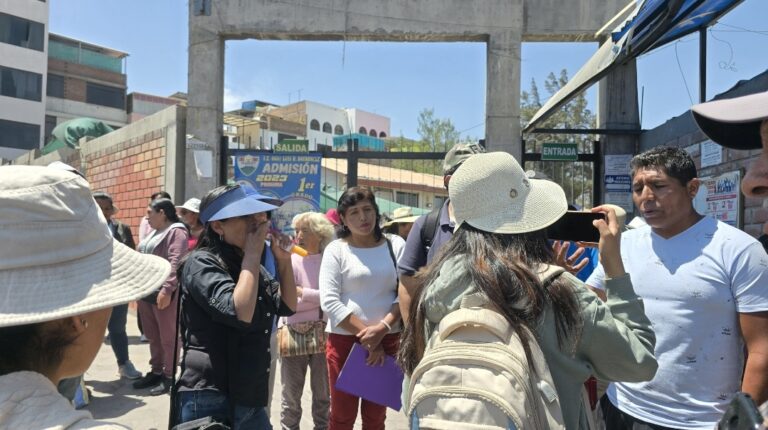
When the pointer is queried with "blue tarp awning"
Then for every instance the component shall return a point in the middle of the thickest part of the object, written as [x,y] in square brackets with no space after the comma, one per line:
[653,24]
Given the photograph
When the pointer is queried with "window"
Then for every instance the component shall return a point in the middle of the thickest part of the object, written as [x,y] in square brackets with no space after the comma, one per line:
[362,130]
[338,130]
[50,124]
[382,134]
[19,135]
[327,127]
[105,96]
[373,133]
[21,32]
[407,199]
[55,86]
[439,201]
[21,84]
[314,125]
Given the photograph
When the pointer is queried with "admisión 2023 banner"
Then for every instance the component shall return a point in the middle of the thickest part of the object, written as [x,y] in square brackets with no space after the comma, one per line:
[291,177]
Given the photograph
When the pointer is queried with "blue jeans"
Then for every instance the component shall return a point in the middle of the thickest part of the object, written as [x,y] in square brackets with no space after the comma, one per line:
[207,403]
[118,339]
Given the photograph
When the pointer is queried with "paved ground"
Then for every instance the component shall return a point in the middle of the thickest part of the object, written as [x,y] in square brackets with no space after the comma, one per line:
[115,400]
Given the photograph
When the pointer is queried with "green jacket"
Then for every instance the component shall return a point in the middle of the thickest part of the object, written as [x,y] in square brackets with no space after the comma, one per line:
[616,342]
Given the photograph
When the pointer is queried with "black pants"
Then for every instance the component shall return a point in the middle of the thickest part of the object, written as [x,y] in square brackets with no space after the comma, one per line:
[618,420]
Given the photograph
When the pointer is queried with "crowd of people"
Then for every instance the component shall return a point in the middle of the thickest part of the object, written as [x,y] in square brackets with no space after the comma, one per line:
[651,328]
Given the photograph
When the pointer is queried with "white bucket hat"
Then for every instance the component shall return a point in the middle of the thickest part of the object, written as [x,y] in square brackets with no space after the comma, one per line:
[192,205]
[57,257]
[402,214]
[491,192]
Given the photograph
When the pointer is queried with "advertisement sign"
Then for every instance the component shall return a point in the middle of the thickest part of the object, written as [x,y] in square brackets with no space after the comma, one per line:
[720,198]
[711,154]
[293,178]
[559,152]
[618,183]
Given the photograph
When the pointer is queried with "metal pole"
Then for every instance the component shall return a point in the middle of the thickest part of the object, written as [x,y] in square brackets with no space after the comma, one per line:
[702,65]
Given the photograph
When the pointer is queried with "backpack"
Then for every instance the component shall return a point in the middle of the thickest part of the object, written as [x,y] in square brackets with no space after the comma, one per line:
[429,228]
[475,375]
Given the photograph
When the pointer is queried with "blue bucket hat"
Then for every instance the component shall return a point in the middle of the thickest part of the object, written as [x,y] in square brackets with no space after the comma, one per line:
[239,201]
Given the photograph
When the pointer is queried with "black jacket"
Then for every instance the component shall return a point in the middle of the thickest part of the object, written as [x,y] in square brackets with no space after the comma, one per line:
[219,348]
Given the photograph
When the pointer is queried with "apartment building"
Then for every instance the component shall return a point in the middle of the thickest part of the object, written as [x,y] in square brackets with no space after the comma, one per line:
[23,62]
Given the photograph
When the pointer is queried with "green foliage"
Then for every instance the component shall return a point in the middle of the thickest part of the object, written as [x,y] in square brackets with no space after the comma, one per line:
[576,178]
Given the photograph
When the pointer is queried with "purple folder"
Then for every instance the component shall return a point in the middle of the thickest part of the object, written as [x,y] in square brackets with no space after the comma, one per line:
[379,384]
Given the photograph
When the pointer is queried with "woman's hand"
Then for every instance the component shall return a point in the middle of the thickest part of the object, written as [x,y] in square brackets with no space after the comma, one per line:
[560,248]
[610,242]
[255,236]
[371,336]
[280,242]
[375,356]
[163,300]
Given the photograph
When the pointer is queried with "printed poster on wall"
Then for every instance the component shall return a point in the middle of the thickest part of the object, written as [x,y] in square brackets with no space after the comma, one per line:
[293,178]
[720,198]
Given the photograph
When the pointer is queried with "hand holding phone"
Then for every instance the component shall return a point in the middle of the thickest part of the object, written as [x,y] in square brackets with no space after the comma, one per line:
[576,226]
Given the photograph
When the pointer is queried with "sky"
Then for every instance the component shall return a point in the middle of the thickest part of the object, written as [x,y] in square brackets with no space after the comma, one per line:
[399,80]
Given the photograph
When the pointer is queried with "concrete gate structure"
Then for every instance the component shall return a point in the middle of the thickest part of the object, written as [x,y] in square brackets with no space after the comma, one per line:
[501,24]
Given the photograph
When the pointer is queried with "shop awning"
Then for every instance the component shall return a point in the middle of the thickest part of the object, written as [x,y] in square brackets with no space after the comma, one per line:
[653,24]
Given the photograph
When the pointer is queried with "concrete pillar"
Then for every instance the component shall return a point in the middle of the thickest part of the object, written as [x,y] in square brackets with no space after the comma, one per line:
[502,92]
[618,110]
[205,106]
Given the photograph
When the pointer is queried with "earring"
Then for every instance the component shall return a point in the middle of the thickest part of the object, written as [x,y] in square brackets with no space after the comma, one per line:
[221,237]
[84,323]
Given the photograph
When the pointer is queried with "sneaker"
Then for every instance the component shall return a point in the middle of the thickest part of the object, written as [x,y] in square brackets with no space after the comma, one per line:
[163,387]
[148,380]
[128,371]
[143,338]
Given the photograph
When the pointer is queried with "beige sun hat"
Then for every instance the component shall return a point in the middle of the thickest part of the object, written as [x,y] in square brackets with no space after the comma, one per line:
[57,257]
[402,214]
[491,192]
[192,205]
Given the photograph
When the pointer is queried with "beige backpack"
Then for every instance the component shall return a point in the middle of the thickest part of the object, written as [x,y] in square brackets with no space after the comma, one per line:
[475,375]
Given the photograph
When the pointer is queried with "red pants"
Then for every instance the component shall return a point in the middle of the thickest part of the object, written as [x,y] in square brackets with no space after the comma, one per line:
[344,406]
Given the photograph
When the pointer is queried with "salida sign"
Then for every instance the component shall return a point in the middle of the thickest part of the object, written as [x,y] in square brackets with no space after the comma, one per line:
[559,152]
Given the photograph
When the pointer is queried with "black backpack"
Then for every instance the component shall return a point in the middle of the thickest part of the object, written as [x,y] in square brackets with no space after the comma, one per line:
[429,228]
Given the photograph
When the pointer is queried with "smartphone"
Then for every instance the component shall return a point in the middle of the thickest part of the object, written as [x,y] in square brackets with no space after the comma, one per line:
[576,226]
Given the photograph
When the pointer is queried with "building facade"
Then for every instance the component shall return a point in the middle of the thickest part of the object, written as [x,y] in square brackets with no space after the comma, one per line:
[84,80]
[23,63]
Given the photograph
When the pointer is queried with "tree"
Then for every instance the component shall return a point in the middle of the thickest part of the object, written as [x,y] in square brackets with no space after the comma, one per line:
[437,133]
[576,178]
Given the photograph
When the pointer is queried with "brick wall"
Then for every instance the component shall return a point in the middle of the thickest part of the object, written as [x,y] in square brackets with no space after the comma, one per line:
[130,163]
[130,171]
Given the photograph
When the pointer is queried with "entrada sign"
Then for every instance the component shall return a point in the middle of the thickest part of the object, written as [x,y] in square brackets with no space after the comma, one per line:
[559,152]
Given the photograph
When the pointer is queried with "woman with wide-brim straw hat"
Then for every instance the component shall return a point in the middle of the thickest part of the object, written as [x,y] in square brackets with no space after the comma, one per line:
[401,222]
[495,258]
[61,272]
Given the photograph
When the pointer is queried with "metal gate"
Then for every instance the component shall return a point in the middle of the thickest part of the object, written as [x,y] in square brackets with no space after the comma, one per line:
[579,179]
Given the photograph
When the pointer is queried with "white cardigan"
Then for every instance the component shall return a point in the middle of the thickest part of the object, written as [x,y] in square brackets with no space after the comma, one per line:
[28,400]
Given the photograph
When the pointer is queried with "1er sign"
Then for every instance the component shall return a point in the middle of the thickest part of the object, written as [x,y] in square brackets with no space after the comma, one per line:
[559,152]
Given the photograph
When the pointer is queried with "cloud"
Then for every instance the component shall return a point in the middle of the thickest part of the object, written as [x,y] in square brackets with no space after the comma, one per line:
[232,99]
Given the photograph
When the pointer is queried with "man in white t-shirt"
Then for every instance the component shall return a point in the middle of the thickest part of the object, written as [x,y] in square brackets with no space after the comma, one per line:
[705,289]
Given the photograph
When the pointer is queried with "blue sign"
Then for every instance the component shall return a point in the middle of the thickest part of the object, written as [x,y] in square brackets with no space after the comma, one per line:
[621,183]
[293,178]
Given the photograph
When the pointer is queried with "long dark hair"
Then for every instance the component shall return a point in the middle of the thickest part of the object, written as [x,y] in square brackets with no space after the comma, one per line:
[33,347]
[166,207]
[351,197]
[502,267]
[228,255]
